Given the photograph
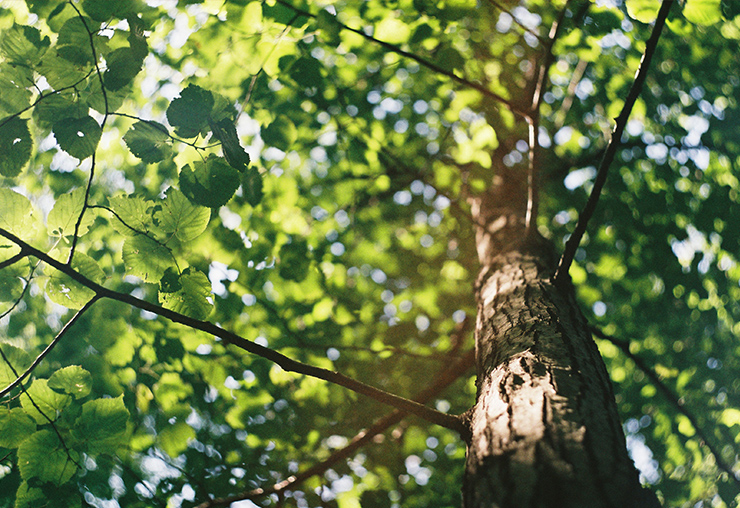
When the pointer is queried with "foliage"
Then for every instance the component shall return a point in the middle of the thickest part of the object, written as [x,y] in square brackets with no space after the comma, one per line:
[298,173]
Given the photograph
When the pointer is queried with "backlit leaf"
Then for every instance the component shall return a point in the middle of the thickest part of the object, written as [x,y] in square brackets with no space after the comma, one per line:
[78,137]
[148,141]
[644,11]
[191,298]
[15,427]
[703,12]
[14,92]
[65,291]
[133,215]
[73,380]
[66,212]
[73,42]
[189,113]
[43,457]
[102,424]
[23,44]
[211,183]
[15,146]
[145,258]
[18,360]
[18,217]
[179,217]
[123,66]
[46,405]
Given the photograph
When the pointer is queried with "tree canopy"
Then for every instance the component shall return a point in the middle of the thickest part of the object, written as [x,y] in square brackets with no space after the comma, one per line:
[237,255]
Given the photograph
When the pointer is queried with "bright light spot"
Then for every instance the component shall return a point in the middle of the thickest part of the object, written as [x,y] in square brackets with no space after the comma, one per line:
[422,322]
[599,308]
[332,354]
[578,177]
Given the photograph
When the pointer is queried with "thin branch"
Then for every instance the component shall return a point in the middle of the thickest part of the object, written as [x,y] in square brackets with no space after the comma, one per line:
[524,27]
[14,259]
[441,381]
[85,203]
[421,61]
[19,378]
[533,123]
[670,397]
[571,245]
[288,364]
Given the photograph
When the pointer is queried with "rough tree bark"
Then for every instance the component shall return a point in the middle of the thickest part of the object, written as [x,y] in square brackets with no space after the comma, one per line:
[545,428]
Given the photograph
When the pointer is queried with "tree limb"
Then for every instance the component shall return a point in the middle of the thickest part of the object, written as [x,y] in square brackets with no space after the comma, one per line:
[441,381]
[288,364]
[571,245]
[670,397]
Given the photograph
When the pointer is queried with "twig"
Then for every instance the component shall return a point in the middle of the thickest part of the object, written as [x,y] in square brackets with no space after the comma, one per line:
[571,245]
[670,397]
[288,364]
[421,61]
[19,378]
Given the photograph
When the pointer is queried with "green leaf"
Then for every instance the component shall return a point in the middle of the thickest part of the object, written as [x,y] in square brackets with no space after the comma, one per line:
[11,287]
[14,92]
[234,153]
[133,215]
[330,28]
[61,73]
[73,42]
[252,186]
[30,497]
[211,183]
[174,439]
[703,12]
[66,212]
[123,66]
[17,216]
[179,217]
[19,361]
[23,44]
[78,137]
[73,380]
[47,112]
[191,298]
[281,133]
[102,424]
[46,405]
[92,96]
[15,427]
[42,456]
[306,71]
[644,11]
[15,146]
[146,259]
[63,290]
[189,113]
[149,141]
[103,10]
[294,260]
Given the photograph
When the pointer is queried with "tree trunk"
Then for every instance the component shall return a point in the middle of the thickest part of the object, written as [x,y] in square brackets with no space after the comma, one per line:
[545,428]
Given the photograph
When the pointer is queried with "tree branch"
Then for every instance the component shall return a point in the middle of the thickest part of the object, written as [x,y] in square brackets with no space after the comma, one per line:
[441,381]
[670,397]
[571,245]
[288,364]
[19,379]
[421,61]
